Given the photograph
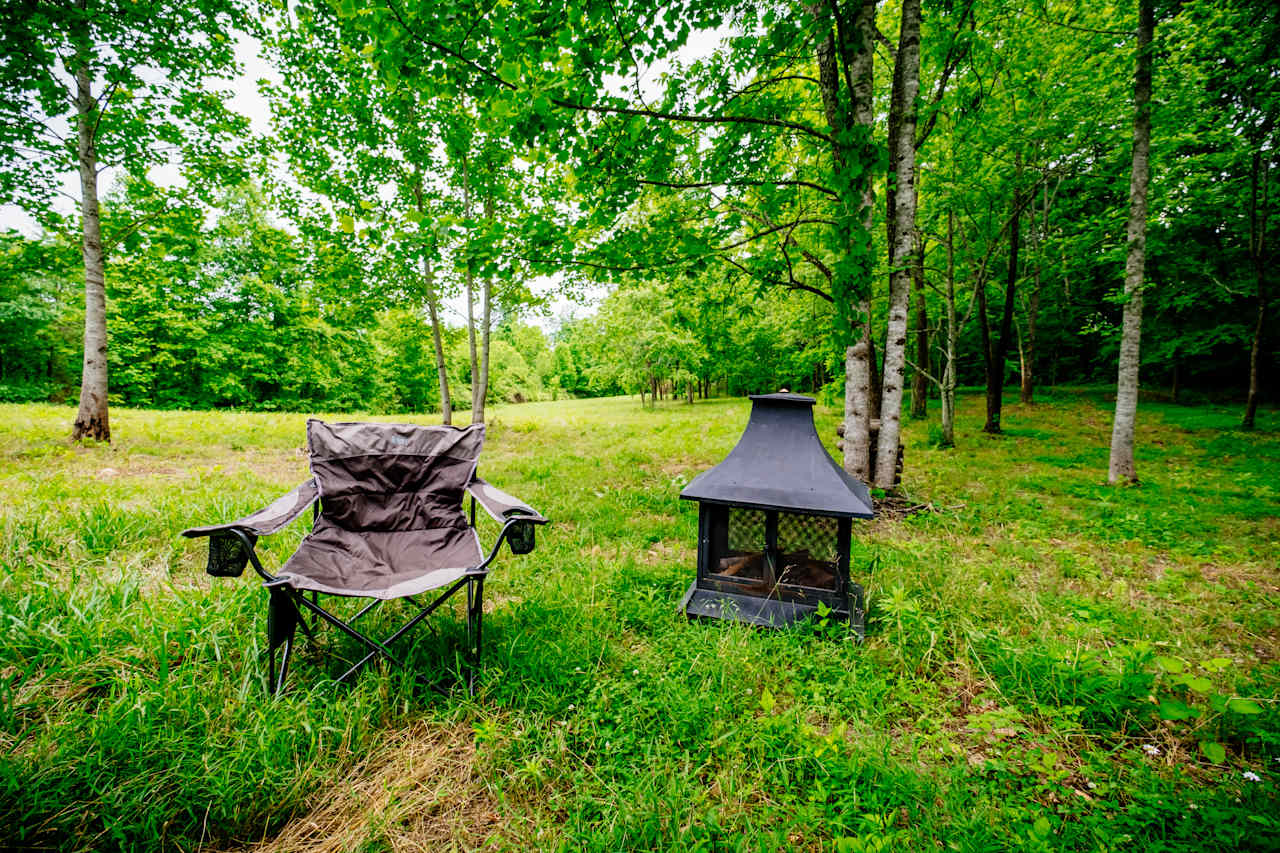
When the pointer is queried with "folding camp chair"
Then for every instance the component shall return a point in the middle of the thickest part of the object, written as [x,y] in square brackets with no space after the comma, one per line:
[387,523]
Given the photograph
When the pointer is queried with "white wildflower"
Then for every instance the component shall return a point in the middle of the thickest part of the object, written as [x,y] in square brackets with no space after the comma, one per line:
[1250,776]
[1150,749]
[635,672]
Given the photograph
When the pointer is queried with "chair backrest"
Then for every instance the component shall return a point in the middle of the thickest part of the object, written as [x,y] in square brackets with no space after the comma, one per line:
[392,476]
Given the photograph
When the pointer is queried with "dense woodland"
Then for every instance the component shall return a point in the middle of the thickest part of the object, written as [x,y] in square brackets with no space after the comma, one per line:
[767,194]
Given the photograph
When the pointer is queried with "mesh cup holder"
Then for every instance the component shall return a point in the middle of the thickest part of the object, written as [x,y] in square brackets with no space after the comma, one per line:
[521,537]
[227,555]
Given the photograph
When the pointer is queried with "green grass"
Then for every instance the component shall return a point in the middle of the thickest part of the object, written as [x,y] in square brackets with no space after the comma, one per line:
[1051,663]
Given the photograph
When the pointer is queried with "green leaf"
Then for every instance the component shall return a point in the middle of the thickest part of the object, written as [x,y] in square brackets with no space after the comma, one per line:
[767,702]
[1244,706]
[1198,683]
[347,224]
[1216,664]
[1215,752]
[1170,664]
[1176,709]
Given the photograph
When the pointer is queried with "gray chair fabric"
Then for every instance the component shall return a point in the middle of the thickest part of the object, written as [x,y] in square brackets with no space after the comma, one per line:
[391,521]
[270,519]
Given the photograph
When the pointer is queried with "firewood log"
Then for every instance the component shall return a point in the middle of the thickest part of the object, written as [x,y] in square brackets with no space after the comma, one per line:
[750,564]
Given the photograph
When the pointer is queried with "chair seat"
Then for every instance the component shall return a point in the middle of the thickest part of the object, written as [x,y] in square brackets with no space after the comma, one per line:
[381,563]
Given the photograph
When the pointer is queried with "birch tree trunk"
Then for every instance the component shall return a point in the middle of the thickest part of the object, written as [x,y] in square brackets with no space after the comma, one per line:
[428,278]
[851,48]
[1121,467]
[478,399]
[469,277]
[906,86]
[91,418]
[433,309]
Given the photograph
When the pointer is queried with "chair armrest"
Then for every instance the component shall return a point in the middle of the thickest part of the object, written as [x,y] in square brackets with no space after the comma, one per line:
[231,544]
[270,519]
[501,506]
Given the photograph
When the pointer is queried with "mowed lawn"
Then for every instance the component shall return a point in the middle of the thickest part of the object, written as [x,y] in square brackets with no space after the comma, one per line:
[1050,664]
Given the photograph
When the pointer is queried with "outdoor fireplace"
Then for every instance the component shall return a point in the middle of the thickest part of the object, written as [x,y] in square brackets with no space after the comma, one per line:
[774,524]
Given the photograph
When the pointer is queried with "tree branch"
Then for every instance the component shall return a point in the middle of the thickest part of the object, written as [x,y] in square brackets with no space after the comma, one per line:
[792,285]
[681,185]
[949,65]
[774,229]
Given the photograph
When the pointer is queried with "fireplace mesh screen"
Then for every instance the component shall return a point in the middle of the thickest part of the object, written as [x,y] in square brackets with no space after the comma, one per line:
[746,529]
[814,534]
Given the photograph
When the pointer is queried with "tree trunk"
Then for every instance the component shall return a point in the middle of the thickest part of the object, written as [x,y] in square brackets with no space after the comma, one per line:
[850,159]
[1121,467]
[477,406]
[434,315]
[988,359]
[1040,235]
[948,390]
[478,397]
[91,418]
[1259,174]
[920,378]
[1251,405]
[995,369]
[906,85]
[857,420]
[1029,346]
[469,276]
[437,342]
[875,377]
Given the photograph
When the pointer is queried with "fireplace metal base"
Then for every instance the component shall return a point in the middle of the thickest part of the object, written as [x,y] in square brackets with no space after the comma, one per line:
[764,612]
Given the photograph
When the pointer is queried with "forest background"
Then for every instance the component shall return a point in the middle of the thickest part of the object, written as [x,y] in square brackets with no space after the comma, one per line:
[416,162]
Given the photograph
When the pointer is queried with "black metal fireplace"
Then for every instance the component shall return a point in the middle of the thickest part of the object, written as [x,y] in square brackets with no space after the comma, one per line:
[774,524]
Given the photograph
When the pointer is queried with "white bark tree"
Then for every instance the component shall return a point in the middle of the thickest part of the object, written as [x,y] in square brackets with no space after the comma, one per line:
[1121,467]
[902,143]
[92,419]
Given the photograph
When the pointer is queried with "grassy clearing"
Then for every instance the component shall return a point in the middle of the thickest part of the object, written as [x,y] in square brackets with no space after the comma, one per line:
[1052,664]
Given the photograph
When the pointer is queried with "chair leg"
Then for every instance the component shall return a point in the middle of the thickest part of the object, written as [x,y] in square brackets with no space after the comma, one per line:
[282,623]
[475,626]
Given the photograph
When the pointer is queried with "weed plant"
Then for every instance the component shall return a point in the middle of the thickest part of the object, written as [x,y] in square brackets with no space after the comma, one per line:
[1051,663]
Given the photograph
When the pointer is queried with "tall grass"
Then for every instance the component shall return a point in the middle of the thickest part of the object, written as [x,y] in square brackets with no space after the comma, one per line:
[1051,664]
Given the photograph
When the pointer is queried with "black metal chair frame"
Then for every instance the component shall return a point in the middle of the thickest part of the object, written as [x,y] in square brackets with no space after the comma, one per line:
[286,605]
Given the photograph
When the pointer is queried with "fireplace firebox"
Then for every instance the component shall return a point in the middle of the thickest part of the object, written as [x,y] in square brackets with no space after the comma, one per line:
[775,523]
